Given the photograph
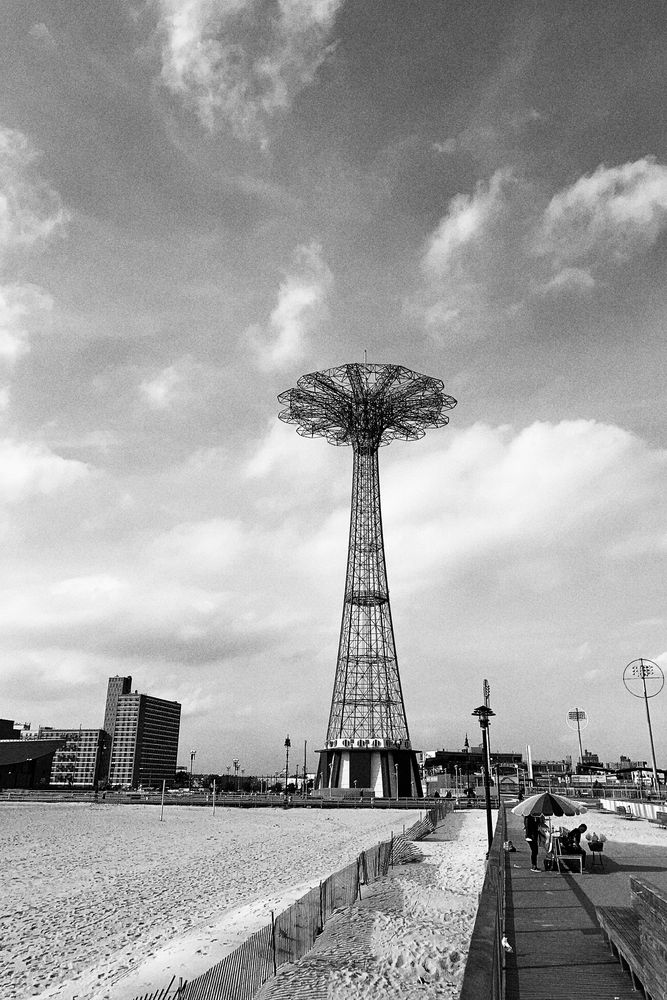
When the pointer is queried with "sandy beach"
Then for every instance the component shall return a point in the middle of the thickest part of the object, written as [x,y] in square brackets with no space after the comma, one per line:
[106,901]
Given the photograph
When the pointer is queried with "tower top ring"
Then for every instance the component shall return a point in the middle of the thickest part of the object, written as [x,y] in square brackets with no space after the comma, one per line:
[366,405]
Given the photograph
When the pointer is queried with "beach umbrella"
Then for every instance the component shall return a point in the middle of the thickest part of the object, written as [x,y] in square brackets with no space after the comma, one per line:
[547,804]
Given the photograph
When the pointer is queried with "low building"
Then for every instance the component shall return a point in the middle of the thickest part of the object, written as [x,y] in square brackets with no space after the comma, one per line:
[82,761]
[27,763]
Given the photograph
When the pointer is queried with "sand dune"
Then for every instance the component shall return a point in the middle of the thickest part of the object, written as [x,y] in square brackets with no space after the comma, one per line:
[96,891]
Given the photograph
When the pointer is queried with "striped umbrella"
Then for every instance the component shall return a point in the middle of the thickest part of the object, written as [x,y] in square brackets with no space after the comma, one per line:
[547,804]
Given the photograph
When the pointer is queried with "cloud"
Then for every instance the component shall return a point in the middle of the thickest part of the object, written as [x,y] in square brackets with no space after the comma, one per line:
[199,548]
[549,497]
[21,306]
[242,61]
[572,279]
[42,36]
[467,218]
[281,341]
[30,210]
[503,247]
[614,212]
[161,391]
[29,469]
[30,213]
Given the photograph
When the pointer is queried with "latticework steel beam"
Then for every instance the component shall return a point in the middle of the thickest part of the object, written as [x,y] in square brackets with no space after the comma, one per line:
[366,406]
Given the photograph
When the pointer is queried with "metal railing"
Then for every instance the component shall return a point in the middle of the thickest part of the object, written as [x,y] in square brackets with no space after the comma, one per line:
[484,974]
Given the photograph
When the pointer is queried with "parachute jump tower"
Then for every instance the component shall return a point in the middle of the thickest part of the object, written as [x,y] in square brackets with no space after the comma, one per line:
[367,405]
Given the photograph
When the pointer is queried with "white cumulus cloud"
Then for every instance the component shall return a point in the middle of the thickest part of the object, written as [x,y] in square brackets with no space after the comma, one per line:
[27,469]
[300,305]
[21,306]
[241,61]
[615,211]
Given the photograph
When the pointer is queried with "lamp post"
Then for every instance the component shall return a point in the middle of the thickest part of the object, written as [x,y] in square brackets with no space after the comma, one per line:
[236,763]
[484,713]
[305,773]
[193,754]
[288,744]
[396,774]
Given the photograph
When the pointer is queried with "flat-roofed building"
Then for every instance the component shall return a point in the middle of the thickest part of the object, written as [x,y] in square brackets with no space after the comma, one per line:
[145,740]
[83,759]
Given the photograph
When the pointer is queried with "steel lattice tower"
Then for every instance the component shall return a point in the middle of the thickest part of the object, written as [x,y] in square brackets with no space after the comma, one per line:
[366,406]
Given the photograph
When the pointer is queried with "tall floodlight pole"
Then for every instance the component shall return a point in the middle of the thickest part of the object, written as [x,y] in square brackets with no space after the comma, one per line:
[578,717]
[643,670]
[366,406]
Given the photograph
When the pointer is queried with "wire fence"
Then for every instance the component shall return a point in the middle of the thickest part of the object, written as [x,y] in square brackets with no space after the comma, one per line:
[292,933]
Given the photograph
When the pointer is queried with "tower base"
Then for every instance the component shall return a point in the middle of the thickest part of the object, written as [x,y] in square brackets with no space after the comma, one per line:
[388,772]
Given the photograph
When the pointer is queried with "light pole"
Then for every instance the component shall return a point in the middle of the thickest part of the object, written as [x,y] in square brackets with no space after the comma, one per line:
[193,754]
[236,763]
[288,744]
[643,669]
[305,782]
[484,713]
[242,782]
[396,774]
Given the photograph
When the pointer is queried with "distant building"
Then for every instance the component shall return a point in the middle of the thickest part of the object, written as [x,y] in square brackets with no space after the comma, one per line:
[82,761]
[25,763]
[116,687]
[144,735]
[445,769]
[8,730]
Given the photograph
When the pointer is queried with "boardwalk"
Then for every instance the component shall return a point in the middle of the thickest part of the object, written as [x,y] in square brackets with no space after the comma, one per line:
[559,950]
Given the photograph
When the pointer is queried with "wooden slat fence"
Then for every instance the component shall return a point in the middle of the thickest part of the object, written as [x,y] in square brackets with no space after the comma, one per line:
[292,933]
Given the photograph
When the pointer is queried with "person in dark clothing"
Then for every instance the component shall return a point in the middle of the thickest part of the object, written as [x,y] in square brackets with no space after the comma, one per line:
[531,825]
[572,843]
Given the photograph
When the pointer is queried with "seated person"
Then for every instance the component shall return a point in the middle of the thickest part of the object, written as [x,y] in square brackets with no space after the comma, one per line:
[571,842]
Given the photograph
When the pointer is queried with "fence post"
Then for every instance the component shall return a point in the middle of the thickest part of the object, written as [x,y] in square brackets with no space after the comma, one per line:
[273,942]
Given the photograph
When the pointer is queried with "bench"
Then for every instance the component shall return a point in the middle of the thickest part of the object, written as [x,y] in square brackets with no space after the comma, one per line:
[624,812]
[561,856]
[638,936]
[660,818]
[621,928]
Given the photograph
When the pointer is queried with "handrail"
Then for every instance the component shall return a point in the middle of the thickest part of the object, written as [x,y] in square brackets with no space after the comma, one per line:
[484,974]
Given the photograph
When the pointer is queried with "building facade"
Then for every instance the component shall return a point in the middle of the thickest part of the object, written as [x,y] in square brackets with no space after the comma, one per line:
[83,760]
[144,739]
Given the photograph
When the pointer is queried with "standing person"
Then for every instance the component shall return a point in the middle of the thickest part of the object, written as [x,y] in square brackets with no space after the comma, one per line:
[531,826]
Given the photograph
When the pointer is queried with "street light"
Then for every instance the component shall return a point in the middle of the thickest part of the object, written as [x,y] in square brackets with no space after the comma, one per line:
[193,754]
[236,762]
[484,713]
[396,773]
[288,744]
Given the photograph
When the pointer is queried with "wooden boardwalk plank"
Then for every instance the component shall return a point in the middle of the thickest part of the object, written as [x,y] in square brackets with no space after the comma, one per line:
[559,951]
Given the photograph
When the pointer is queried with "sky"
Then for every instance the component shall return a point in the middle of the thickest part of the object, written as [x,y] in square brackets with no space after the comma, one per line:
[201,201]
